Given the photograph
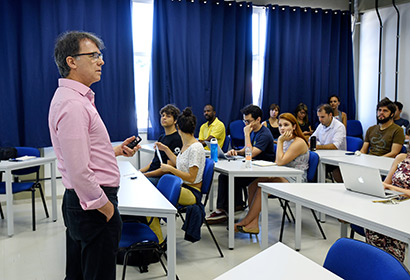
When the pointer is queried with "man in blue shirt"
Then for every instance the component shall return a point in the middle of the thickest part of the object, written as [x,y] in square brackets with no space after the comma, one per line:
[261,142]
[397,115]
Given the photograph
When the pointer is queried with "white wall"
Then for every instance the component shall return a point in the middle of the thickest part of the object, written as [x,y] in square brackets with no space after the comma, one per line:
[368,62]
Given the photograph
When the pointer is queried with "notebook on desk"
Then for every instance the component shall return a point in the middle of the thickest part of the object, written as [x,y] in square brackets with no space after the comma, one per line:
[364,180]
[221,154]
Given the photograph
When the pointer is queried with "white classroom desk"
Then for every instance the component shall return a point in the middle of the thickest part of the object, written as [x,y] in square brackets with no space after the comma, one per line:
[236,168]
[7,167]
[278,262]
[139,197]
[334,157]
[334,200]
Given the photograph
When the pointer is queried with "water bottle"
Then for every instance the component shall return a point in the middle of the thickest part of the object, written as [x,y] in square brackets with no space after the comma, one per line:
[404,129]
[313,143]
[248,156]
[214,150]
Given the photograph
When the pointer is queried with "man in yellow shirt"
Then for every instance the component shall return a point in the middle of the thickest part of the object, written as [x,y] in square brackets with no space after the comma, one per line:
[213,128]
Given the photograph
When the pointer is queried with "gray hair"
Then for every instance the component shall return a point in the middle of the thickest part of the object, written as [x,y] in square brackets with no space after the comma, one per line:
[68,44]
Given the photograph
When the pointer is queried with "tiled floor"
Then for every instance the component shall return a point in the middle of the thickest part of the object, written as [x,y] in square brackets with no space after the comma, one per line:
[41,254]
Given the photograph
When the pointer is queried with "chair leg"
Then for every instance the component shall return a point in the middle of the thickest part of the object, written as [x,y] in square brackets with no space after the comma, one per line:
[124,265]
[43,199]
[318,223]
[284,207]
[213,237]
[1,213]
[351,233]
[282,224]
[33,208]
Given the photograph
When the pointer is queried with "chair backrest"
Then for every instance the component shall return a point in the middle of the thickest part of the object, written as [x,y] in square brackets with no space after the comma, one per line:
[313,163]
[207,178]
[27,151]
[225,146]
[354,128]
[354,259]
[236,132]
[170,186]
[353,143]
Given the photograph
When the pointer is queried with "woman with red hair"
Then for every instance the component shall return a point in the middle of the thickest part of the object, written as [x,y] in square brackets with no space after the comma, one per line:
[292,151]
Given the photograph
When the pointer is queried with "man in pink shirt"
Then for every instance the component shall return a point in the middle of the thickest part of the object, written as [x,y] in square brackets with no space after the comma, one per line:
[86,160]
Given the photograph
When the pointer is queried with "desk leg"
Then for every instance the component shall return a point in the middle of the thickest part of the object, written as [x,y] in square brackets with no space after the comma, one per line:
[264,211]
[322,179]
[231,211]
[298,226]
[171,247]
[53,190]
[322,173]
[407,257]
[343,229]
[139,159]
[9,194]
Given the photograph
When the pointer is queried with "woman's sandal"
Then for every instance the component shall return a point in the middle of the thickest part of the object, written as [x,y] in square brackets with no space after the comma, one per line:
[244,229]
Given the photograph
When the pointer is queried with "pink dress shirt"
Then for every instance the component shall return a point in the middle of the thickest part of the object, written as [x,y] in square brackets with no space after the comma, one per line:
[81,143]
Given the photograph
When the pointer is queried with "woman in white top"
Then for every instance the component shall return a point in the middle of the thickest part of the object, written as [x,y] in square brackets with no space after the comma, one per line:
[292,151]
[190,162]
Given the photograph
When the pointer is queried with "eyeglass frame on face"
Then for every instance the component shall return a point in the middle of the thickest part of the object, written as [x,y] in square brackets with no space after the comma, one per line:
[94,55]
[246,122]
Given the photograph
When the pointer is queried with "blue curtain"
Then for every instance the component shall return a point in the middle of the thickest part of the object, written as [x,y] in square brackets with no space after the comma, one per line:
[308,57]
[202,53]
[29,75]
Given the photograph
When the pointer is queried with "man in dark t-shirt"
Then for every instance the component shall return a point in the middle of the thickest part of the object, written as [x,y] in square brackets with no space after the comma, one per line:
[260,140]
[171,138]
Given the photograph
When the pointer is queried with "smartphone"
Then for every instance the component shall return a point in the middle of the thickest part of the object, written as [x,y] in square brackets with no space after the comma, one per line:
[134,143]
[349,153]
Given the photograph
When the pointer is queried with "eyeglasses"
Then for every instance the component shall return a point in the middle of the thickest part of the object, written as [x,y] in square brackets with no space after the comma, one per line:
[246,122]
[93,55]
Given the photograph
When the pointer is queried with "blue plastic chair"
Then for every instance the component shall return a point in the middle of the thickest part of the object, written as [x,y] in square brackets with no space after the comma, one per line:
[311,177]
[353,143]
[353,259]
[207,179]
[27,186]
[237,136]
[354,128]
[137,237]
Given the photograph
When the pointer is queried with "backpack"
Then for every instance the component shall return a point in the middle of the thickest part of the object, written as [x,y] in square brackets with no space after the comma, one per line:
[7,153]
[140,259]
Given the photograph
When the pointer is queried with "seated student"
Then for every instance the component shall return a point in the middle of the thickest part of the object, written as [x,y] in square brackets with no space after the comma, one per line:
[292,151]
[272,123]
[213,128]
[398,179]
[334,102]
[330,134]
[397,116]
[190,164]
[301,114]
[171,138]
[261,141]
[385,138]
